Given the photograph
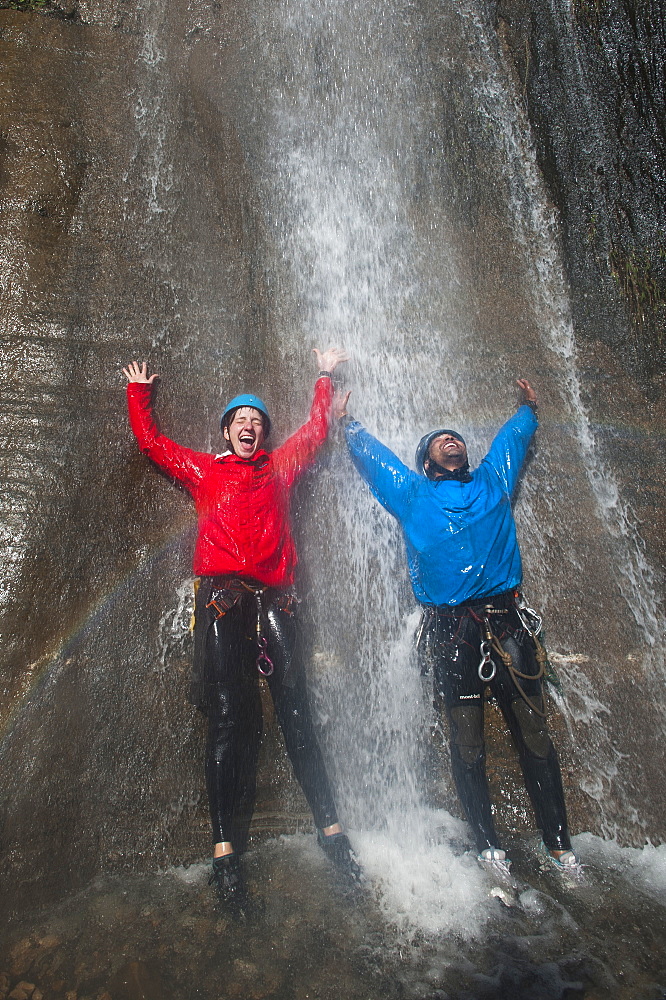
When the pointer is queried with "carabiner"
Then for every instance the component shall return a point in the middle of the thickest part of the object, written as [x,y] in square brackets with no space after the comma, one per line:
[264,662]
[531,620]
[485,658]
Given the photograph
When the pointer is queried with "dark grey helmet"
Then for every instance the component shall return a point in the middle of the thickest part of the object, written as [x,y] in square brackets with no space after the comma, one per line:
[424,445]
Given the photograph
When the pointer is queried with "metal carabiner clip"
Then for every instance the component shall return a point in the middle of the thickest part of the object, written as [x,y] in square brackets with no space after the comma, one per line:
[485,658]
[264,662]
[530,619]
[536,618]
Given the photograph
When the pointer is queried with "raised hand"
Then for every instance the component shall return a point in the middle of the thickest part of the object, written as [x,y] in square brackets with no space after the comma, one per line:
[340,400]
[529,395]
[135,373]
[329,359]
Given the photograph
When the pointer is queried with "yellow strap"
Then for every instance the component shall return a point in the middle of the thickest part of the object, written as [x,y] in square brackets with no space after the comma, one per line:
[195,587]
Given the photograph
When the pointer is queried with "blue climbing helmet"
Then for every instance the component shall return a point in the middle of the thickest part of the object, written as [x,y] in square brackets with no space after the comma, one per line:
[424,446]
[246,399]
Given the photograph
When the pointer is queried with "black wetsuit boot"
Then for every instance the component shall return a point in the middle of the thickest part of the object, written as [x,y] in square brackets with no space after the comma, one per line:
[227,878]
[337,849]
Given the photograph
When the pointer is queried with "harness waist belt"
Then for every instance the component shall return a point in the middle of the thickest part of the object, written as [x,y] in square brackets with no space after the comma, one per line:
[495,604]
[237,584]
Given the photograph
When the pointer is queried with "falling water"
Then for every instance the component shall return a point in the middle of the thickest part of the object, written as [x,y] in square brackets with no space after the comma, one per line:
[344,132]
[371,257]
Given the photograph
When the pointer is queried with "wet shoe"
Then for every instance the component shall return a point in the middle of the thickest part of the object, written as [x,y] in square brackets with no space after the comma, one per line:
[566,861]
[492,855]
[494,858]
[337,849]
[227,879]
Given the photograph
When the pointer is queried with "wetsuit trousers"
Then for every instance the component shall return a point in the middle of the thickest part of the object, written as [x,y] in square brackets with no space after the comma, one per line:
[233,707]
[455,645]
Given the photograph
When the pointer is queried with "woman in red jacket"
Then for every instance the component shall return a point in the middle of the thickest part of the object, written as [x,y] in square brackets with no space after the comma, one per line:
[245,623]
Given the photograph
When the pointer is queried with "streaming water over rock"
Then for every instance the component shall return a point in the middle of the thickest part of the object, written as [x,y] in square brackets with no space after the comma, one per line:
[377,255]
[219,191]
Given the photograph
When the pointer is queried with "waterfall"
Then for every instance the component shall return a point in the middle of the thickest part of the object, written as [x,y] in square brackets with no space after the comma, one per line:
[373,250]
[581,699]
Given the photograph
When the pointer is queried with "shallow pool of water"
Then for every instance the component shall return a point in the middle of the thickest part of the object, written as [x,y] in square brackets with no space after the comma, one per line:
[416,931]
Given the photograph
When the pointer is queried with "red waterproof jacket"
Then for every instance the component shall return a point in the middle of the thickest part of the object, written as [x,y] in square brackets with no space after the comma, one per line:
[242,504]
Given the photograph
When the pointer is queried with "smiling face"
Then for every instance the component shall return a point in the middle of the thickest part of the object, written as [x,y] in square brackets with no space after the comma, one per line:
[245,432]
[448,451]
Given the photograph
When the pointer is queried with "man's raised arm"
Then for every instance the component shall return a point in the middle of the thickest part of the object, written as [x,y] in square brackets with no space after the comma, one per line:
[509,448]
[529,397]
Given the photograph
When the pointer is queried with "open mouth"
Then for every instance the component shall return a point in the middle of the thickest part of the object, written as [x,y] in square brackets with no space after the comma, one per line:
[247,440]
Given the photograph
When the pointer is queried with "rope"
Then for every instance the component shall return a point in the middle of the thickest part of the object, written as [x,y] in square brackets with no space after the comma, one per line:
[506,658]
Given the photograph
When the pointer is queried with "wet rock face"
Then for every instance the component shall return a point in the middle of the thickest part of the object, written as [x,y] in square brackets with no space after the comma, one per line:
[91,278]
[592,76]
[593,81]
[84,199]
[133,225]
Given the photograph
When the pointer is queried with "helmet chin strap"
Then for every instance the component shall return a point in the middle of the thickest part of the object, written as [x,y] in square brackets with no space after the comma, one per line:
[437,471]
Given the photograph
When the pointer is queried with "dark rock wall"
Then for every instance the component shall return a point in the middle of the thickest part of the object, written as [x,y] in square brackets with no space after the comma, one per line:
[592,74]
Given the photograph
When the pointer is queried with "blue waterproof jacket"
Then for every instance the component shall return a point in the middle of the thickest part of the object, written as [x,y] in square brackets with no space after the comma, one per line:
[460,537]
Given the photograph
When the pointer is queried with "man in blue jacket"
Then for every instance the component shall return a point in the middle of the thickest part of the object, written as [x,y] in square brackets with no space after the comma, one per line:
[465,569]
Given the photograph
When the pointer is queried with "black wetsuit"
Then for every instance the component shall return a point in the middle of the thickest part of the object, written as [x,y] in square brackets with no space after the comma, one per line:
[451,643]
[226,687]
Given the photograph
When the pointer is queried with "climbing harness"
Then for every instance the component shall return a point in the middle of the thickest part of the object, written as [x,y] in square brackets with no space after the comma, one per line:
[486,660]
[224,599]
[487,666]
[286,605]
[490,646]
[531,622]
